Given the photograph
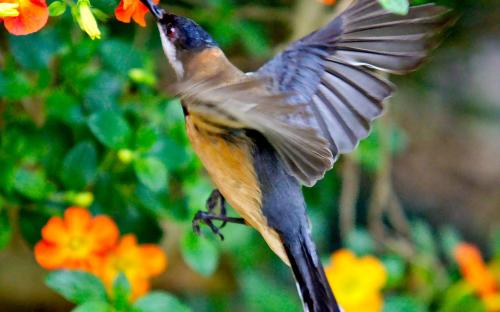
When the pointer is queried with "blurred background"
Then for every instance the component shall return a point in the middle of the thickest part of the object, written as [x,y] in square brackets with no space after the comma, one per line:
[426,179]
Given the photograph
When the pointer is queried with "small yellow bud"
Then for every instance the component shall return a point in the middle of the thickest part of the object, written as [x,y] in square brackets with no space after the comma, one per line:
[83,199]
[125,156]
[9,9]
[87,20]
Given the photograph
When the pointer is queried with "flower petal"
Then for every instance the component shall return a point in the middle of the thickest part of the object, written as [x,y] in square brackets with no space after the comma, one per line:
[77,220]
[123,14]
[154,259]
[49,256]
[33,15]
[103,232]
[132,9]
[55,231]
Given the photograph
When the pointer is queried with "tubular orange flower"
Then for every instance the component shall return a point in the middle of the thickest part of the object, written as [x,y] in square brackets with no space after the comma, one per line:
[474,269]
[356,282]
[31,16]
[132,9]
[138,262]
[76,242]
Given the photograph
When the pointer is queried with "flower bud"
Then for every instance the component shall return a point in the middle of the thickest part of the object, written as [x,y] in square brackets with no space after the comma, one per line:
[87,20]
[125,156]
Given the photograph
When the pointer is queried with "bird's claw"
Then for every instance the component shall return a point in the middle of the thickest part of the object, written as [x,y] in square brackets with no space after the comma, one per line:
[206,218]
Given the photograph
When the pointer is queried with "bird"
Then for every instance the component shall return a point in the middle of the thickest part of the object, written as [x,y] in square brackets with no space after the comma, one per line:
[263,135]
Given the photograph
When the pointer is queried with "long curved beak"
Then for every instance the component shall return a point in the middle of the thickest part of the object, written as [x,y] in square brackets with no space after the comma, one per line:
[155,10]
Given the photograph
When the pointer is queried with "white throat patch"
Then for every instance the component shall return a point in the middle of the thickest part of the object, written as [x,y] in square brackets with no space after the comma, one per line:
[170,52]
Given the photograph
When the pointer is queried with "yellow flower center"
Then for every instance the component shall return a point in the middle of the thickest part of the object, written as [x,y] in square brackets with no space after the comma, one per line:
[78,247]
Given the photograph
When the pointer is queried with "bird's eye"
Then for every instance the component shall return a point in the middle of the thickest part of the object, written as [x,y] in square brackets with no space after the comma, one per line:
[171,31]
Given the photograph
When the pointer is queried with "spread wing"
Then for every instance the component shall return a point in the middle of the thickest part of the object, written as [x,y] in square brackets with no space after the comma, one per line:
[330,69]
[247,105]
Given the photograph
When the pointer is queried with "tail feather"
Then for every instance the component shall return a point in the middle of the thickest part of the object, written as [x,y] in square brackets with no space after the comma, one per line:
[312,283]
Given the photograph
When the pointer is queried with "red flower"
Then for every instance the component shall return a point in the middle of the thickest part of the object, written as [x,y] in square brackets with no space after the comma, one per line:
[132,9]
[33,15]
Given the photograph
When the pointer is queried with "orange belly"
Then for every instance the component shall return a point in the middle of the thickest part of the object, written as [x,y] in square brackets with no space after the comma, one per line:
[230,166]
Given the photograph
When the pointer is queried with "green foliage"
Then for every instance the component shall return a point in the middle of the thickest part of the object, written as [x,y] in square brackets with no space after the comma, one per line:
[199,253]
[396,6]
[87,291]
[83,119]
[158,302]
[78,287]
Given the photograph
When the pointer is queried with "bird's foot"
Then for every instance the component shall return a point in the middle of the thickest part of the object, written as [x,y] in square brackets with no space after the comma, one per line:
[215,202]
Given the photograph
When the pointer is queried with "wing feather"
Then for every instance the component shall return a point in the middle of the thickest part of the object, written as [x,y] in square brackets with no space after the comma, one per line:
[330,70]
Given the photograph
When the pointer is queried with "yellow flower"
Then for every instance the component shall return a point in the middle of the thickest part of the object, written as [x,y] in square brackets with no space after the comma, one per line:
[9,9]
[87,20]
[356,282]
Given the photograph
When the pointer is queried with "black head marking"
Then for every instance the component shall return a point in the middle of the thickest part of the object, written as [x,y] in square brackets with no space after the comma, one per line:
[185,33]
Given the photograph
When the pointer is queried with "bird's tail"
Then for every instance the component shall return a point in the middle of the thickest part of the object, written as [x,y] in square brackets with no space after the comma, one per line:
[312,284]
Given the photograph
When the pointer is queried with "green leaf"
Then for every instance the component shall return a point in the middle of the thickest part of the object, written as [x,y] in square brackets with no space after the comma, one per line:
[395,267]
[173,155]
[121,292]
[120,56]
[449,238]
[107,6]
[57,8]
[159,302]
[31,183]
[199,253]
[15,86]
[360,241]
[422,236]
[110,129]
[103,91]
[263,294]
[79,166]
[403,303]
[65,107]
[145,138]
[35,51]
[151,172]
[93,306]
[5,228]
[396,6]
[76,286]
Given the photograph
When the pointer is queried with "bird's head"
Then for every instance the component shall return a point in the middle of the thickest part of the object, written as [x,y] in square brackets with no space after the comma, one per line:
[181,37]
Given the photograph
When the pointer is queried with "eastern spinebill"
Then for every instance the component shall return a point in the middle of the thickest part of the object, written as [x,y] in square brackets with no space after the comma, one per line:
[264,134]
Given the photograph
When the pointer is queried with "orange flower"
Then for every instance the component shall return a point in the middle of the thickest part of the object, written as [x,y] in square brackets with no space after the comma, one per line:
[474,269]
[356,282]
[32,16]
[76,242]
[134,9]
[328,2]
[138,262]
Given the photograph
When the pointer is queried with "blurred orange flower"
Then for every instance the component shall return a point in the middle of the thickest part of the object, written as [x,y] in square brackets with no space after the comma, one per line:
[31,15]
[356,281]
[132,9]
[474,269]
[328,2]
[138,262]
[477,274]
[76,241]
